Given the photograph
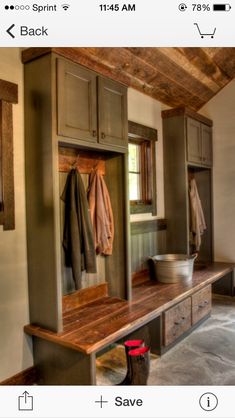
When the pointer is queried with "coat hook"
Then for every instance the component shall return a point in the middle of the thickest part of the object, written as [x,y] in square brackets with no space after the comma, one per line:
[74,165]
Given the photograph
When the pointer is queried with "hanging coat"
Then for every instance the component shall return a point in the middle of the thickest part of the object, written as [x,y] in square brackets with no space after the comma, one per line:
[78,242]
[198,224]
[101,214]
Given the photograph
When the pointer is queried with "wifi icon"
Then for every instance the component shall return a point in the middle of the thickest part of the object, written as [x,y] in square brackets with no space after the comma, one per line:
[65,6]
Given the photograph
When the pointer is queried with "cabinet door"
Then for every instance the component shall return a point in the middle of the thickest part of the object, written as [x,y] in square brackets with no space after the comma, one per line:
[201,304]
[206,132]
[112,104]
[77,108]
[194,141]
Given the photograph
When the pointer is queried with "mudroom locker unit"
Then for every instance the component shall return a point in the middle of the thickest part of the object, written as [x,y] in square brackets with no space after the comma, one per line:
[187,154]
[73,117]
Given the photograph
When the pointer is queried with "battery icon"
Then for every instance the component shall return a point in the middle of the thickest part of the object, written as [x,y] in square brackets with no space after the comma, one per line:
[221,7]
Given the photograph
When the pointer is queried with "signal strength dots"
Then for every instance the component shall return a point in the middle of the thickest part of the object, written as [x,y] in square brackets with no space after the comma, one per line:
[65,6]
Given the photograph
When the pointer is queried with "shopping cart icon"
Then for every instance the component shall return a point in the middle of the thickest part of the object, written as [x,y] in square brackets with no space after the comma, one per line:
[205,34]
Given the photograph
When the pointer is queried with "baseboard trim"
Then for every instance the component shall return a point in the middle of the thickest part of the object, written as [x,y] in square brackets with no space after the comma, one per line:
[140,277]
[26,377]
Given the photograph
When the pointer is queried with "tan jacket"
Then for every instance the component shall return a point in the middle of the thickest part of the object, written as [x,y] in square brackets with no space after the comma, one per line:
[101,214]
[198,224]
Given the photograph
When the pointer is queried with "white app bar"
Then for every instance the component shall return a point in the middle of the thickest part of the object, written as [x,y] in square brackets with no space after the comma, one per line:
[119,23]
[117,401]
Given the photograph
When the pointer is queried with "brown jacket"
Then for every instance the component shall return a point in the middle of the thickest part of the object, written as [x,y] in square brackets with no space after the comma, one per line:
[101,214]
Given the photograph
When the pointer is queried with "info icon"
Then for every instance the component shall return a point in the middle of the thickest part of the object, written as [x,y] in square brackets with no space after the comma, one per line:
[182,7]
[208,401]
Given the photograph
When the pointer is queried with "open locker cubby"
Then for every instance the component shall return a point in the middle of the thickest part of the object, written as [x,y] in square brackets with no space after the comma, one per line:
[203,180]
[111,269]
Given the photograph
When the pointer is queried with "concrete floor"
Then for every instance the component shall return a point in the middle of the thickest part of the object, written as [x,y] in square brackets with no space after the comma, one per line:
[206,357]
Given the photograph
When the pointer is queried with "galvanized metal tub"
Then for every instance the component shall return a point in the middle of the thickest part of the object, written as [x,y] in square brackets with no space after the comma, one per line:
[172,268]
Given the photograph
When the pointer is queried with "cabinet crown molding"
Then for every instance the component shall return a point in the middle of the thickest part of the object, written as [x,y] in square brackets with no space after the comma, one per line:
[184,111]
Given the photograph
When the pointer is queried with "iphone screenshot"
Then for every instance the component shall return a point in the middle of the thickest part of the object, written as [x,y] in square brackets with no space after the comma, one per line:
[117,209]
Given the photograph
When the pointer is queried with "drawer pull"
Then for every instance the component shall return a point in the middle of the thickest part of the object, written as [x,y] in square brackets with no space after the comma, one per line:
[204,304]
[102,135]
[94,133]
[180,321]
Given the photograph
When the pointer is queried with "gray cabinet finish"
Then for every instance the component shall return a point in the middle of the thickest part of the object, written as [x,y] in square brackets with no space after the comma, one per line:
[53,91]
[42,196]
[77,107]
[194,141]
[112,113]
[207,154]
[89,107]
[199,143]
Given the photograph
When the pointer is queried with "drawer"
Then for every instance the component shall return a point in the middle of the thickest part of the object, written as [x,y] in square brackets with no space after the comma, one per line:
[176,321]
[201,304]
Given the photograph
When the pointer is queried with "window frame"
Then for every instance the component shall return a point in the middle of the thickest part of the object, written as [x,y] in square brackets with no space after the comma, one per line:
[145,137]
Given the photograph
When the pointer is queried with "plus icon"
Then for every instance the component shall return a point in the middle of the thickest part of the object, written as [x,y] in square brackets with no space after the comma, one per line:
[101,401]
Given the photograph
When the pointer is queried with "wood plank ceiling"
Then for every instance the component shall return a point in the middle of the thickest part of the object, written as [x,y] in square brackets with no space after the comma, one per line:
[175,76]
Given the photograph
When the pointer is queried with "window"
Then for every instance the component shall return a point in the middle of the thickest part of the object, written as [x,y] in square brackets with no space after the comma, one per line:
[134,171]
[142,168]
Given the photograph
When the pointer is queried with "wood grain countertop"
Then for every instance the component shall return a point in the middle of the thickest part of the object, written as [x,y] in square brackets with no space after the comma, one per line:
[94,326]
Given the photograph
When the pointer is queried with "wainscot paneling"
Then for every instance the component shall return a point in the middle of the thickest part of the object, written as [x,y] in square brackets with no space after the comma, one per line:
[147,238]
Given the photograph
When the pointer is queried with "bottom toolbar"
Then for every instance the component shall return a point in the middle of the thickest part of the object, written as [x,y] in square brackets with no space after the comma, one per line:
[117,401]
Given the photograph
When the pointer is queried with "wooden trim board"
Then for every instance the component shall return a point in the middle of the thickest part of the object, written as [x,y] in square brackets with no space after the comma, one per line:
[84,296]
[8,91]
[144,227]
[178,111]
[26,377]
[84,161]
[7,210]
[136,130]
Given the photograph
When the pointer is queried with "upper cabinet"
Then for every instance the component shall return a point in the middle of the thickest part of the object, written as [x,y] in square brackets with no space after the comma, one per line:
[91,108]
[199,142]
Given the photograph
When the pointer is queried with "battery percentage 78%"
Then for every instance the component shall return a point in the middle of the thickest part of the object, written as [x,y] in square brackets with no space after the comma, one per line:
[201,7]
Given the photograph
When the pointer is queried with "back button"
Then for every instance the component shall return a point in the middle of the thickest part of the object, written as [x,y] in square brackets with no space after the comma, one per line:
[10,29]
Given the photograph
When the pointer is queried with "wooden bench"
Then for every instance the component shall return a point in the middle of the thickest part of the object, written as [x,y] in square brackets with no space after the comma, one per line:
[90,326]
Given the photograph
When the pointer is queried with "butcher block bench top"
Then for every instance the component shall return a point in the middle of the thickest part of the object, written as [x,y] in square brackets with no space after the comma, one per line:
[95,325]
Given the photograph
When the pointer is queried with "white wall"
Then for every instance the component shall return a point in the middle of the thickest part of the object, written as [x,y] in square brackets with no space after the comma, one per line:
[15,349]
[147,111]
[221,109]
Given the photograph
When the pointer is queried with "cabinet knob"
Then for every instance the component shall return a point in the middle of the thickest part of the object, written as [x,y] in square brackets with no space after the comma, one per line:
[180,321]
[102,135]
[94,133]
[202,305]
